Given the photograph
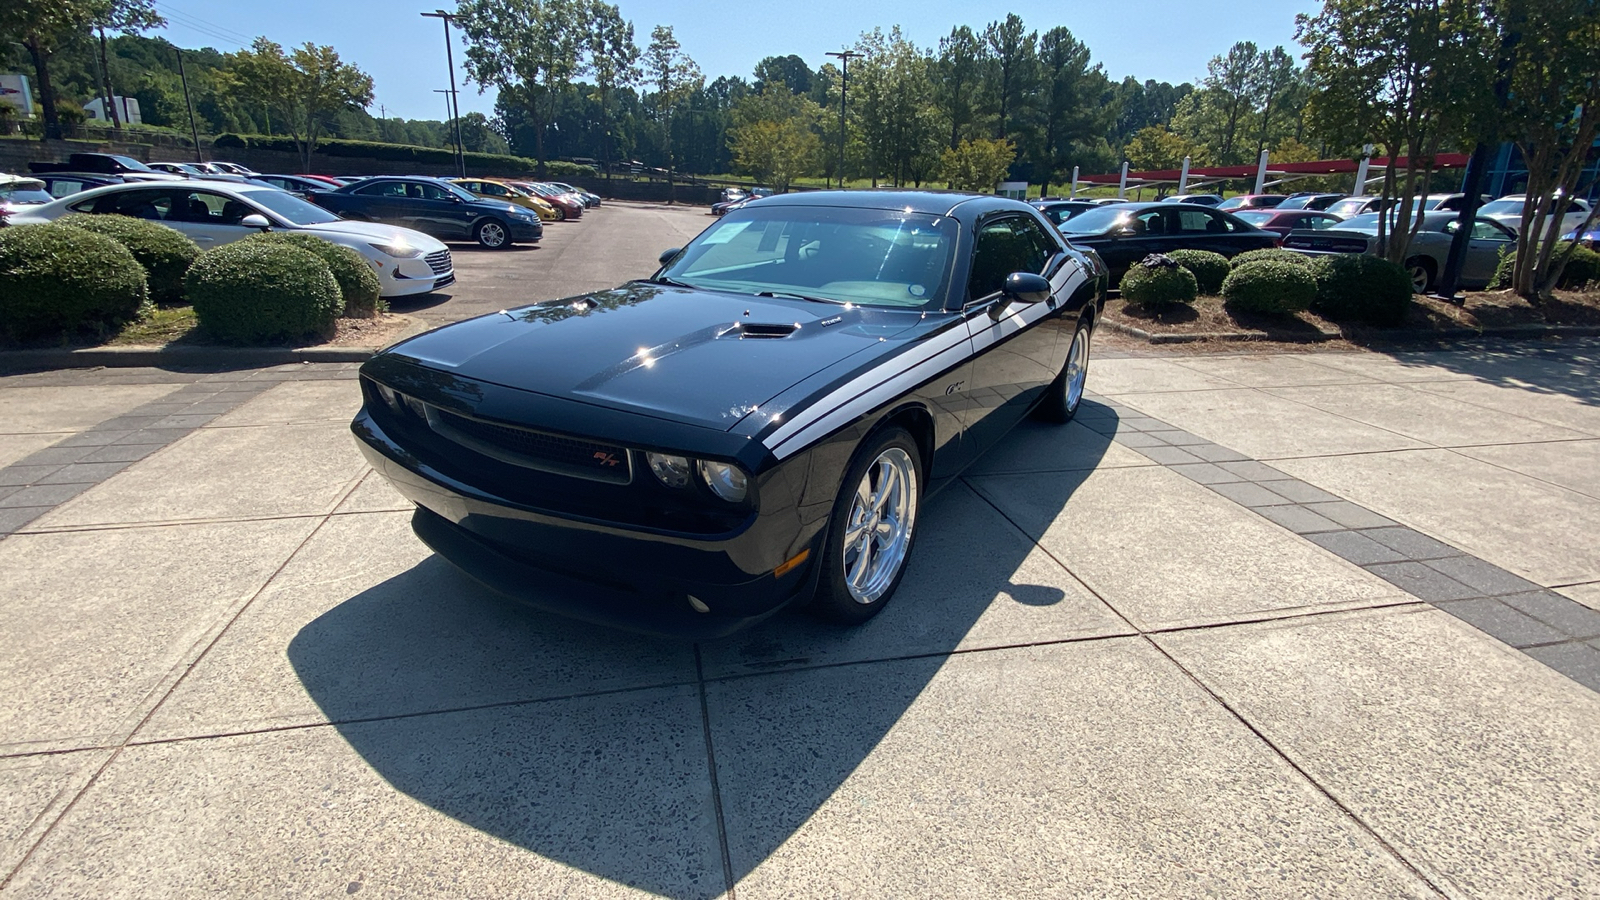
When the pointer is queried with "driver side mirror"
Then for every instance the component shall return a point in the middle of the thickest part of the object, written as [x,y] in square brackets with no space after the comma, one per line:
[1122,231]
[1027,287]
[669,255]
[256,220]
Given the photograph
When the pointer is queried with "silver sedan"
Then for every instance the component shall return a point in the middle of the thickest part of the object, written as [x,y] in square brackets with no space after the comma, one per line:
[1425,257]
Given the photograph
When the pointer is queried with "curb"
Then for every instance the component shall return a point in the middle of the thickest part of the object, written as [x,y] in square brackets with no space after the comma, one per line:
[165,355]
[1409,335]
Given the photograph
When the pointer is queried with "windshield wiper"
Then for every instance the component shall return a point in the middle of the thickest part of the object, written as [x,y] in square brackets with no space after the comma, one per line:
[794,296]
[673,282]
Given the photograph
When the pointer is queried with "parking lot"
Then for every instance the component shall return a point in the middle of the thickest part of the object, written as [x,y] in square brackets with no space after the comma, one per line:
[1278,625]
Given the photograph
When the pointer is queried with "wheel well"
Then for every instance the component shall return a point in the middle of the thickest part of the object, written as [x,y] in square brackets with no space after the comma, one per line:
[1425,262]
[919,423]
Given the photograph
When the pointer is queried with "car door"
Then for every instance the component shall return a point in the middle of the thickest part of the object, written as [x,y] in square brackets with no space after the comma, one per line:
[208,218]
[440,212]
[1489,239]
[382,201]
[1017,346]
[152,204]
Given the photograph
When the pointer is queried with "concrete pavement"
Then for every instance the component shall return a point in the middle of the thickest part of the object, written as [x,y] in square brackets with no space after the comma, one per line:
[1285,626]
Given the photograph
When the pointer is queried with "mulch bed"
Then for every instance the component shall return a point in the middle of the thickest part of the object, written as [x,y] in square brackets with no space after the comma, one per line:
[1210,320]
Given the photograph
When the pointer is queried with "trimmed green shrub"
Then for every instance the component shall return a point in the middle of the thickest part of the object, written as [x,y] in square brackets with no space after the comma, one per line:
[250,293]
[1274,253]
[1157,281]
[358,284]
[1269,286]
[57,279]
[1582,268]
[1209,268]
[1363,288]
[165,254]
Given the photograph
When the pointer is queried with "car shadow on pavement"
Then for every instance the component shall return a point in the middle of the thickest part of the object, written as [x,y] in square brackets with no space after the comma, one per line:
[589,746]
[1567,368]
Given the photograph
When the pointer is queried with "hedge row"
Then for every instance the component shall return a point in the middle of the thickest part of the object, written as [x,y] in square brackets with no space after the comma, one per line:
[55,279]
[406,153]
[1342,288]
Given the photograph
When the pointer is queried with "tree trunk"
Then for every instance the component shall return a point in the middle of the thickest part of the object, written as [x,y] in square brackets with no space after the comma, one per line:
[47,91]
[112,112]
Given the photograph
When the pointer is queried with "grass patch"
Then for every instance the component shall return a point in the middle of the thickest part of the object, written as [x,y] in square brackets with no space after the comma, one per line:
[165,325]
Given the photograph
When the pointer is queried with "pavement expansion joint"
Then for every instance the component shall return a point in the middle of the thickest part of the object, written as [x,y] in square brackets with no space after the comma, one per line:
[1500,603]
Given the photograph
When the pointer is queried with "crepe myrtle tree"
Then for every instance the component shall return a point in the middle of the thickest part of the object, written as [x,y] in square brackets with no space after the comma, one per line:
[1407,75]
[1551,110]
[675,78]
[977,165]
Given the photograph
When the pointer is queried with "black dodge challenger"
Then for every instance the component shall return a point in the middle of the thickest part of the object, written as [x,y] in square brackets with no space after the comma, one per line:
[758,424]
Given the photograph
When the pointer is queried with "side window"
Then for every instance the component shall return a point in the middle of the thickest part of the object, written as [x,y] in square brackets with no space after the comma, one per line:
[1485,230]
[433,192]
[384,189]
[1013,244]
[1321,223]
[65,187]
[494,190]
[156,205]
[1150,222]
[1194,221]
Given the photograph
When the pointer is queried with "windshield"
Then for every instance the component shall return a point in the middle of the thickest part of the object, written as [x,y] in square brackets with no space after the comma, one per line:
[1254,218]
[1502,208]
[129,162]
[869,257]
[1095,220]
[292,208]
[1348,207]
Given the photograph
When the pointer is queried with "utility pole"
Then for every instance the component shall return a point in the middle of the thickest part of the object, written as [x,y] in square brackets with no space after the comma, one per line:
[193,131]
[844,57]
[454,104]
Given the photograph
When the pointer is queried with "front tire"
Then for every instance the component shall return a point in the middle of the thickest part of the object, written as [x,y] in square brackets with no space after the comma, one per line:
[1421,272]
[491,234]
[1064,395]
[874,527]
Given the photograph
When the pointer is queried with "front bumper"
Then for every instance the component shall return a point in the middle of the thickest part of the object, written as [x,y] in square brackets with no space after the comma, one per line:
[526,232]
[636,580]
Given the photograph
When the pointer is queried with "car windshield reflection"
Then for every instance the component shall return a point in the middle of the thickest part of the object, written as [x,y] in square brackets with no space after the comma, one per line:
[863,256]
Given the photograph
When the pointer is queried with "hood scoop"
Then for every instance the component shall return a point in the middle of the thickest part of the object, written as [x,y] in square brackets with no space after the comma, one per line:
[761,331]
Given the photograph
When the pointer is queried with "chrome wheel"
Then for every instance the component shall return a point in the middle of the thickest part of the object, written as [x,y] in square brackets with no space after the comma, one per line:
[1077,368]
[492,235]
[1421,278]
[878,530]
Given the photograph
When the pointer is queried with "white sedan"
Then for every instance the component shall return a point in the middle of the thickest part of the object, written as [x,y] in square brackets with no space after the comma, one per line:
[214,213]
[1508,212]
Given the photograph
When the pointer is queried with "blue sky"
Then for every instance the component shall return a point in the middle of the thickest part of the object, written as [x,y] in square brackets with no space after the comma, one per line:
[1168,40]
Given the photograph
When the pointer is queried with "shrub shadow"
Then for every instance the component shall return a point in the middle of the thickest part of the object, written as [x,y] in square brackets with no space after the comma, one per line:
[615,781]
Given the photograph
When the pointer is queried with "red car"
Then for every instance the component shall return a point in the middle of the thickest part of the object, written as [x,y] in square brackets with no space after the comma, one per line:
[1284,221]
[569,206]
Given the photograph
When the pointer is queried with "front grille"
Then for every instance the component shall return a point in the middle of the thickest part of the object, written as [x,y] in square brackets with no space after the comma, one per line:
[438,262]
[1325,244]
[535,449]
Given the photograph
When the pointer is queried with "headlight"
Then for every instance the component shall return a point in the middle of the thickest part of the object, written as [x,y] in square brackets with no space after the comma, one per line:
[672,471]
[724,480]
[398,251]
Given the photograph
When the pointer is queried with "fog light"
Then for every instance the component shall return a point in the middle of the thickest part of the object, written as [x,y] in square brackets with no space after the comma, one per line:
[724,480]
[672,471]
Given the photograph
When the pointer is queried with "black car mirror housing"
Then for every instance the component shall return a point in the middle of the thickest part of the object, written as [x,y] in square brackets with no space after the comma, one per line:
[1028,287]
[669,255]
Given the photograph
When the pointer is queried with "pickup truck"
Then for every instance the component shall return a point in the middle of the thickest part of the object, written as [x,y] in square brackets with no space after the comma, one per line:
[127,167]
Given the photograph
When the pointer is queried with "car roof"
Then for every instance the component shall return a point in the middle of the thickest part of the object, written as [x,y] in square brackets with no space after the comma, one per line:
[936,203]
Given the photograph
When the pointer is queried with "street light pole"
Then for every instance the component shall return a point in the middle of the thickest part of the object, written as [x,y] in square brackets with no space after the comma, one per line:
[844,57]
[193,131]
[454,104]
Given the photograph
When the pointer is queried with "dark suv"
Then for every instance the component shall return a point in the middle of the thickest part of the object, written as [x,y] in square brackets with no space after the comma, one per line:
[435,207]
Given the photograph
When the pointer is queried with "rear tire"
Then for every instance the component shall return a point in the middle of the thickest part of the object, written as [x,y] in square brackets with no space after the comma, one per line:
[492,234]
[1064,395]
[873,529]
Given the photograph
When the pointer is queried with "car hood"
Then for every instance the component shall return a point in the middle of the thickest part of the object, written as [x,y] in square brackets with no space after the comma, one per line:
[702,358]
[385,233]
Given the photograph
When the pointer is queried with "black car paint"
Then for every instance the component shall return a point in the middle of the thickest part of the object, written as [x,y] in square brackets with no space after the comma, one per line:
[447,220]
[617,368]
[1121,251]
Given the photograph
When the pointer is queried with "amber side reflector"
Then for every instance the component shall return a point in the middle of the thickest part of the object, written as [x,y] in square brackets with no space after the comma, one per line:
[784,569]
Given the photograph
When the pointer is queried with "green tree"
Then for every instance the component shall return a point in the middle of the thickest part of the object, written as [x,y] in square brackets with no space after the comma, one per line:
[42,27]
[1015,70]
[789,71]
[529,49]
[1155,149]
[957,73]
[614,59]
[305,88]
[128,17]
[978,165]
[1552,111]
[893,116]
[676,78]
[1407,75]
[1070,94]
[776,153]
